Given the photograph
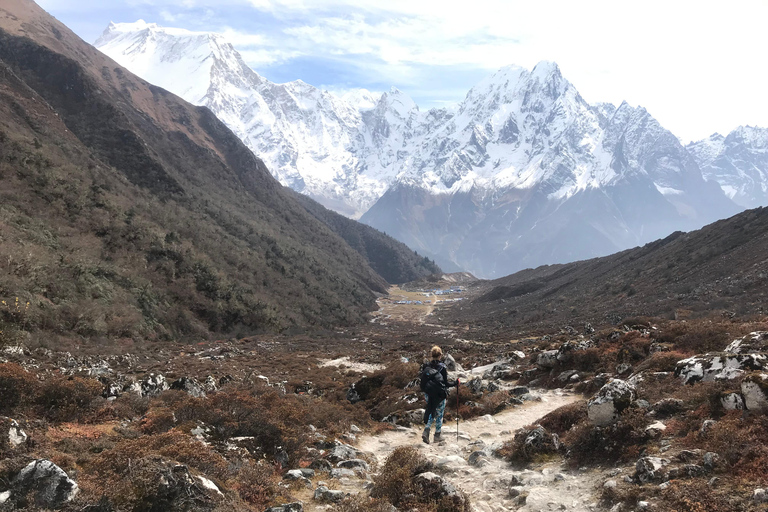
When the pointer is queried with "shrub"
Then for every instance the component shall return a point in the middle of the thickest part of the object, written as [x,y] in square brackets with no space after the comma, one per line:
[17,386]
[255,483]
[394,482]
[622,441]
[562,419]
[69,398]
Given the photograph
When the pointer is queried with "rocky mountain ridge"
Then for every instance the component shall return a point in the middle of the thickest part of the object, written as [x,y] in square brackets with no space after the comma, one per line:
[738,162]
[522,172]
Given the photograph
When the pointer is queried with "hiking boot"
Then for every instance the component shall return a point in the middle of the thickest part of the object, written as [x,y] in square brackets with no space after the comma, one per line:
[425,435]
[436,438]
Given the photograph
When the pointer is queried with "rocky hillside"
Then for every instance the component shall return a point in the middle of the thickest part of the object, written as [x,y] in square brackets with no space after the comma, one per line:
[720,267]
[128,212]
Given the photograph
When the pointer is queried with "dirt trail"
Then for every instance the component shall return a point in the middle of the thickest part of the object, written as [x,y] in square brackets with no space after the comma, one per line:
[549,486]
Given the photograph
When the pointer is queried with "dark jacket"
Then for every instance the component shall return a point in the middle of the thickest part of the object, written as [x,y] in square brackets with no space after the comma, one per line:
[440,367]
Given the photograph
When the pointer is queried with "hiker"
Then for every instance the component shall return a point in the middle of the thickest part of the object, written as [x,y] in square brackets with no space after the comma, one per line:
[434,384]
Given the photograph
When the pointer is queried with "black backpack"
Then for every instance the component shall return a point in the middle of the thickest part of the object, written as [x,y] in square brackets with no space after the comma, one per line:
[432,382]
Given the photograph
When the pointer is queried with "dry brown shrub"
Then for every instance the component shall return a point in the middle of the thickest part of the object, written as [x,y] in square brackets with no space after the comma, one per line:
[563,418]
[493,403]
[742,442]
[157,421]
[661,361]
[696,496]
[69,398]
[17,386]
[622,441]
[394,481]
[255,483]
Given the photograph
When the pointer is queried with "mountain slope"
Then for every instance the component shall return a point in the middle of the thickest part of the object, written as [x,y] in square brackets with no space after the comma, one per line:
[128,212]
[738,162]
[719,267]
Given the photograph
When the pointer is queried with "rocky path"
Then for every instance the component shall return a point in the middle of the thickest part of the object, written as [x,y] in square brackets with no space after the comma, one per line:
[486,479]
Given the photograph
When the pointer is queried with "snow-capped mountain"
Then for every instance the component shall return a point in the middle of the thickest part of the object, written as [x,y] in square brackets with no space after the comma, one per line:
[738,162]
[522,172]
[313,141]
[527,173]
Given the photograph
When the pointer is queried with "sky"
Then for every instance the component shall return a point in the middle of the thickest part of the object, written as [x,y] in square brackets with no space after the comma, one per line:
[699,67]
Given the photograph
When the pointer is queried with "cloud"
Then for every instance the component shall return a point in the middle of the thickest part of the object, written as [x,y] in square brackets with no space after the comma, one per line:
[695,65]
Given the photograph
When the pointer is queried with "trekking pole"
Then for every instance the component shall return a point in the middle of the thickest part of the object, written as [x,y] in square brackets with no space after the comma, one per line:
[457,409]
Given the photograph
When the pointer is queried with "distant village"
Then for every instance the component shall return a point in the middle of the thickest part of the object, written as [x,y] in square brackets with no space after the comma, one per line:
[435,293]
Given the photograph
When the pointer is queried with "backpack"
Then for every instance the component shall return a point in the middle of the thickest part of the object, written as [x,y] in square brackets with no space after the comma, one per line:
[432,382]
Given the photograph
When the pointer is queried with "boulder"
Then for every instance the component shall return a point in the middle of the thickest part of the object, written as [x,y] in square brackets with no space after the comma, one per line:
[566,376]
[339,473]
[650,469]
[711,460]
[209,384]
[718,366]
[732,401]
[546,359]
[519,391]
[605,407]
[476,385]
[153,384]
[341,451]
[451,364]
[706,425]
[354,464]
[760,496]
[668,406]
[51,486]
[686,471]
[538,441]
[566,350]
[352,395]
[655,430]
[751,343]
[500,371]
[190,386]
[15,435]
[478,458]
[320,465]
[325,495]
[754,389]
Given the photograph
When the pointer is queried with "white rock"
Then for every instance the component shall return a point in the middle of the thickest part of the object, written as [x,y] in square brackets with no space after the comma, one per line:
[612,398]
[753,388]
[208,484]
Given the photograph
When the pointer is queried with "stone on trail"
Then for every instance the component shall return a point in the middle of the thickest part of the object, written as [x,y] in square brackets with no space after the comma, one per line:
[612,398]
[325,495]
[354,464]
[650,469]
[287,507]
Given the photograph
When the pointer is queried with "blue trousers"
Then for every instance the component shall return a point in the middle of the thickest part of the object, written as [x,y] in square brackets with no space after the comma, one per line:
[437,416]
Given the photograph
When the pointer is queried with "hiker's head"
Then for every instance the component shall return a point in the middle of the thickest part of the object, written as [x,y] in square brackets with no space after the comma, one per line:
[437,352]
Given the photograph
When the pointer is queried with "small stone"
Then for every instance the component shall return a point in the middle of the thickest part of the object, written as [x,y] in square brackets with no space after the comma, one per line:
[610,484]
